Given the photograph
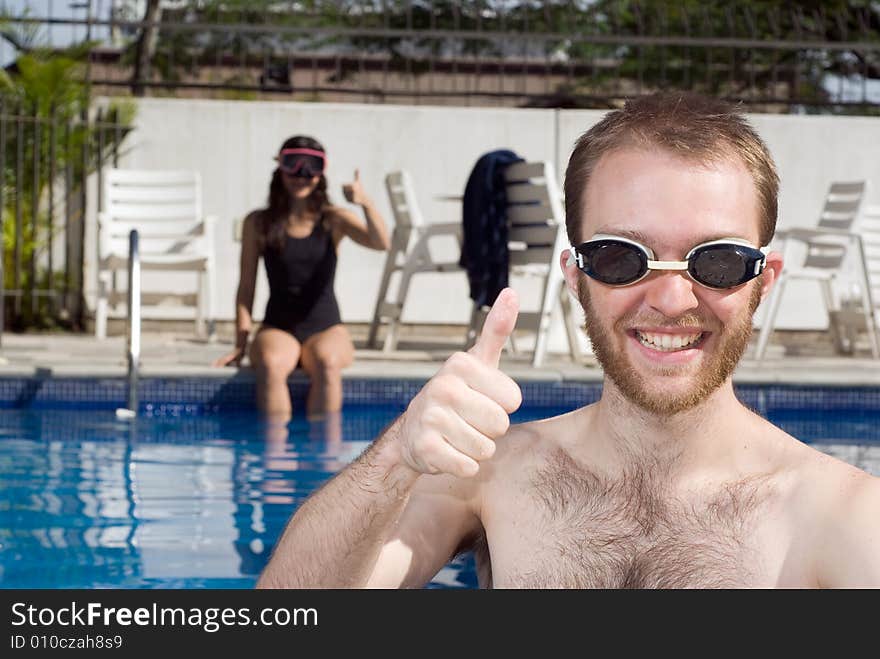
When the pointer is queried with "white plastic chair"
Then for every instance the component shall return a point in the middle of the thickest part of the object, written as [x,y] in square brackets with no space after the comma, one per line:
[536,237]
[825,253]
[409,254]
[870,231]
[174,236]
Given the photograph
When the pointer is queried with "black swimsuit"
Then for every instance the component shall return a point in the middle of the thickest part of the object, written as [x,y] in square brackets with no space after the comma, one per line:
[301,298]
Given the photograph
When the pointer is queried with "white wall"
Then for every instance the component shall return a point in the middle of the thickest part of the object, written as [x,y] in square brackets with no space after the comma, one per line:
[232,143]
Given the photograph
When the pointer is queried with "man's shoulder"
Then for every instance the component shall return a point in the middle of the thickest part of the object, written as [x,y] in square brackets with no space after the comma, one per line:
[842,482]
[820,467]
[827,487]
[811,480]
[848,531]
[543,427]
[530,438]
[802,461]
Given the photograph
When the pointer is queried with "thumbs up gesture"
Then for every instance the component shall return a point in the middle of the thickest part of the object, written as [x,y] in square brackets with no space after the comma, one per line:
[354,191]
[453,422]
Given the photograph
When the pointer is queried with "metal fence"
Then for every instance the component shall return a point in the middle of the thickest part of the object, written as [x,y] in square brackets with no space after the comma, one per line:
[46,161]
[561,53]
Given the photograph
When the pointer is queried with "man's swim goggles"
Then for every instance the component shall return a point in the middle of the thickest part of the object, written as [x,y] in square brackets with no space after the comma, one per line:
[620,261]
[302,163]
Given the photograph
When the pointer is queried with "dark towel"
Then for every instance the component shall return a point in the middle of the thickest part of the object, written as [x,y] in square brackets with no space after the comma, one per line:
[484,226]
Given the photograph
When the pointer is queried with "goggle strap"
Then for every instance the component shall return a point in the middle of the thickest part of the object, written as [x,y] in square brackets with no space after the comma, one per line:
[304,152]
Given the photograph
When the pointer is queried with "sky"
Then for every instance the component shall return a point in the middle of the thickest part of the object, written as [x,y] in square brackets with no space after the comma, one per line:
[57,35]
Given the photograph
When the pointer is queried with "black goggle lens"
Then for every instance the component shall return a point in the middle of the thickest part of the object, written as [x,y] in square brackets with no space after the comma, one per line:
[722,266]
[613,262]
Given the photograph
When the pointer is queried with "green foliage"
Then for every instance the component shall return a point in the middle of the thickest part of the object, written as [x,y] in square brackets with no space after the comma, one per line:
[43,99]
[51,84]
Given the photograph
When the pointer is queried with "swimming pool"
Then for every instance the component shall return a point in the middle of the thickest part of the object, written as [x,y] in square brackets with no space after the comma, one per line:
[90,501]
[184,497]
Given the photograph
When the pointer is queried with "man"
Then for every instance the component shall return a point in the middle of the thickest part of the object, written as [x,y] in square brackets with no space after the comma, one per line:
[667,481]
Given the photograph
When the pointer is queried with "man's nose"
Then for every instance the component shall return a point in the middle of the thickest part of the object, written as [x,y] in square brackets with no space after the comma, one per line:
[670,293]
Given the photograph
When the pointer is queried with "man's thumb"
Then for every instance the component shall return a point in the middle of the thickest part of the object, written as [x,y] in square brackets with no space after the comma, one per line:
[497,328]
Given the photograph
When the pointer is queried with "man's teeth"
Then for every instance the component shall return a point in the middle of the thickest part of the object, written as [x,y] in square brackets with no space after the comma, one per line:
[667,342]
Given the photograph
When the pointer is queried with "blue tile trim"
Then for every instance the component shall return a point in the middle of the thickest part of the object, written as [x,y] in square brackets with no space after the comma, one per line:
[188,396]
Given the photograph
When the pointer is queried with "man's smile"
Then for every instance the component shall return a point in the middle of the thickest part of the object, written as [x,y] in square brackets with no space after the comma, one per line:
[668,340]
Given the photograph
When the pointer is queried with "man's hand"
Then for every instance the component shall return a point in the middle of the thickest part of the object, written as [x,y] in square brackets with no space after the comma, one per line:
[453,422]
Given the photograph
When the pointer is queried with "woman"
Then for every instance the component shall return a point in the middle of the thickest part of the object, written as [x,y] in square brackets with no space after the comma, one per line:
[298,235]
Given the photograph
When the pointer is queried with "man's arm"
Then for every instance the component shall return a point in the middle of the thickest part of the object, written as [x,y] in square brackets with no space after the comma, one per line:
[402,508]
[377,524]
[850,548]
[359,507]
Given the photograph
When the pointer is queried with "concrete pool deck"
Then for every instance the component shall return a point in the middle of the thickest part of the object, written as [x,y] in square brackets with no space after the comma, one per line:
[798,358]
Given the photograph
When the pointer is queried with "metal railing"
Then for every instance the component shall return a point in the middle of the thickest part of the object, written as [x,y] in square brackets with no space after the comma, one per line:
[133,325]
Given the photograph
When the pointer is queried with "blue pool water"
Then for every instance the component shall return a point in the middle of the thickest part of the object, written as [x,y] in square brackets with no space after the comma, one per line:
[89,501]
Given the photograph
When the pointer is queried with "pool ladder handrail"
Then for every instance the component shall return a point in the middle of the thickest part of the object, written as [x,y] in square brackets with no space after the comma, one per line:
[133,324]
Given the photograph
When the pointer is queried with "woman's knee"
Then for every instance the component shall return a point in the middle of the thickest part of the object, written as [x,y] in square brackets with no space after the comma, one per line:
[274,363]
[328,366]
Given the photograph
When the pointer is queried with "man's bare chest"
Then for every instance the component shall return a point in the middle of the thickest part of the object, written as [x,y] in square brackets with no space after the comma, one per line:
[570,529]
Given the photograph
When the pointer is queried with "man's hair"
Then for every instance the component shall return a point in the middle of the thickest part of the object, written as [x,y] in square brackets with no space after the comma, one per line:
[690,126]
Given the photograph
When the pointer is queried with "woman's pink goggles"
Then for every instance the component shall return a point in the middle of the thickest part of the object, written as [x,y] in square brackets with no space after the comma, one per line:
[302,162]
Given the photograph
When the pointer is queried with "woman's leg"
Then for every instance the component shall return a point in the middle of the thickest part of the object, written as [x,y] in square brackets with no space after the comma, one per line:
[324,355]
[274,354]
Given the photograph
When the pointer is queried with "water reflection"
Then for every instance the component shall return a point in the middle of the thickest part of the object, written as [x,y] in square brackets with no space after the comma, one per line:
[63,506]
[271,484]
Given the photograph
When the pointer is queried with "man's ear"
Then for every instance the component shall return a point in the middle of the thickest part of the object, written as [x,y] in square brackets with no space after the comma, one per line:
[569,271]
[772,271]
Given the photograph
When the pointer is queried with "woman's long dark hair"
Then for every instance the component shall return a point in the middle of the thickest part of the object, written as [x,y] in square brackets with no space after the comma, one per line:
[273,219]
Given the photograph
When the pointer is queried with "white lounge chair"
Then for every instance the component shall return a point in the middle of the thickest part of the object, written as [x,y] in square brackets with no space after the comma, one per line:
[410,254]
[869,229]
[832,252]
[851,317]
[174,236]
[536,237]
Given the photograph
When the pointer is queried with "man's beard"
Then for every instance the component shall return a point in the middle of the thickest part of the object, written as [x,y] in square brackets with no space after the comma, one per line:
[731,343]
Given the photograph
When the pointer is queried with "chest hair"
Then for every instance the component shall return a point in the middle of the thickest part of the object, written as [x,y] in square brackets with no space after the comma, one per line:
[630,531]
